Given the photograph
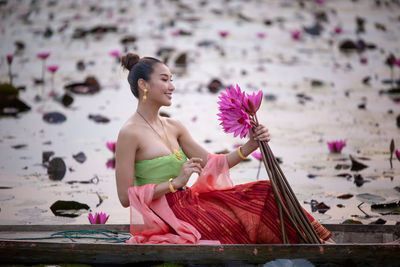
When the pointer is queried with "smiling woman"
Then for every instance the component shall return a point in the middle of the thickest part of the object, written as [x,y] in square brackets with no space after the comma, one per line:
[155,158]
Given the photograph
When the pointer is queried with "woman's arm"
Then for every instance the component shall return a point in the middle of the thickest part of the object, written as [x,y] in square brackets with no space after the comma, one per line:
[193,149]
[125,163]
[260,133]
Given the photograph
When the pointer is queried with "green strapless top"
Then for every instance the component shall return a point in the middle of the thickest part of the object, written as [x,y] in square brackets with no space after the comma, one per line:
[158,170]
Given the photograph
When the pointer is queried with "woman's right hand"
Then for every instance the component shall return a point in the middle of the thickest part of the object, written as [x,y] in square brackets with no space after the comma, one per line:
[188,168]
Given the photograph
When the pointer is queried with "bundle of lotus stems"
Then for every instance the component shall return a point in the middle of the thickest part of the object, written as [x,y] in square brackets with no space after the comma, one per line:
[286,201]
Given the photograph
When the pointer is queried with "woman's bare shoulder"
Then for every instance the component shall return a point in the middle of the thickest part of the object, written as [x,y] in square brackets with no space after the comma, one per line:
[129,131]
[174,123]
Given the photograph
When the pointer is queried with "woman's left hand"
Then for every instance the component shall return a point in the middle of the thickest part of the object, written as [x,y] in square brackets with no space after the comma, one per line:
[259,133]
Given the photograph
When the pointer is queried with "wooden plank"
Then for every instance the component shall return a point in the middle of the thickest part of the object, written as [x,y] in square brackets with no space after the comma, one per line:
[28,252]
[94,252]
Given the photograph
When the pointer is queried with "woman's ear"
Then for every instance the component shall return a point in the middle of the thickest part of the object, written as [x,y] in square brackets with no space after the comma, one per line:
[142,84]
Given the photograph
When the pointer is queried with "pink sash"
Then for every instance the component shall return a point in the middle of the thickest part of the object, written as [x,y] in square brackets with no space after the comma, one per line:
[150,218]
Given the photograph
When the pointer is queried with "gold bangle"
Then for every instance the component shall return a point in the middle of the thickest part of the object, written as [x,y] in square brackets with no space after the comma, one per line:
[240,153]
[171,187]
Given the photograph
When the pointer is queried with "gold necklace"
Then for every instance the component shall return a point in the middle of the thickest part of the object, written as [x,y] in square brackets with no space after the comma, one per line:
[176,151]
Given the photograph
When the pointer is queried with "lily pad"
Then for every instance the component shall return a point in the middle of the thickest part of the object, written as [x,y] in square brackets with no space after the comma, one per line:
[89,86]
[345,196]
[322,207]
[56,169]
[350,221]
[345,175]
[99,118]
[10,104]
[46,156]
[54,117]
[70,209]
[356,165]
[214,86]
[379,221]
[392,208]
[19,146]
[80,157]
[359,180]
[370,198]
[66,100]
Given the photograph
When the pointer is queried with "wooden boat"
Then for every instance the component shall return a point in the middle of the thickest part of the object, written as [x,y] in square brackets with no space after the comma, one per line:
[356,245]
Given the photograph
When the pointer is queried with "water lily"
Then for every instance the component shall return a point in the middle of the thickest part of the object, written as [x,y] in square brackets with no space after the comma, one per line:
[320,2]
[257,155]
[232,116]
[338,30]
[110,163]
[251,103]
[397,153]
[111,146]
[114,53]
[52,68]
[296,35]
[363,60]
[10,58]
[223,34]
[175,32]
[397,62]
[261,35]
[232,99]
[336,146]
[98,218]
[43,55]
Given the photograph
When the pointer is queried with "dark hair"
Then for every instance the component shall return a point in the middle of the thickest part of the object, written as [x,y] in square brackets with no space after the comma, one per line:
[139,68]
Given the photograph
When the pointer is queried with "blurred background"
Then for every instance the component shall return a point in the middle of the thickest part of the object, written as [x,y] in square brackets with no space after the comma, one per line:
[329,72]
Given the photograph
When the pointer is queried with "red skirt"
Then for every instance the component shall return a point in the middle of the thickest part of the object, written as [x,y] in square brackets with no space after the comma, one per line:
[245,214]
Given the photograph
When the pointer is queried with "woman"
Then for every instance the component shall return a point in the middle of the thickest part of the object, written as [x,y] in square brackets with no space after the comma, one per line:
[155,158]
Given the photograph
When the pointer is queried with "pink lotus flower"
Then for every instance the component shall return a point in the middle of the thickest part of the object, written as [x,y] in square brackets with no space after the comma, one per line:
[261,35]
[233,118]
[397,153]
[251,103]
[98,218]
[111,146]
[336,146]
[232,99]
[110,163]
[364,60]
[320,2]
[257,155]
[52,68]
[175,32]
[10,58]
[338,30]
[43,55]
[223,34]
[396,62]
[296,35]
[114,53]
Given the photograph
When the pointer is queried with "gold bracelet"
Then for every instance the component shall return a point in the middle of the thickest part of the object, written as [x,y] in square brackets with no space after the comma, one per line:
[171,187]
[240,153]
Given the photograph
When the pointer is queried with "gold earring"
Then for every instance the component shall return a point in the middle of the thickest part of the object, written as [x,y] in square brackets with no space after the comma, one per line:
[144,96]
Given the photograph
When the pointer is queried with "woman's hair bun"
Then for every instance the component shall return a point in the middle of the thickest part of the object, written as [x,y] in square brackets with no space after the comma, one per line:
[129,60]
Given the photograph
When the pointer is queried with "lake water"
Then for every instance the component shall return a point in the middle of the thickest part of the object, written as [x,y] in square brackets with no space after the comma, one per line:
[300,127]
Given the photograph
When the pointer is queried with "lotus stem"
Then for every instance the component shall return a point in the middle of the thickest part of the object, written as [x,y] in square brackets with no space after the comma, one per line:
[281,188]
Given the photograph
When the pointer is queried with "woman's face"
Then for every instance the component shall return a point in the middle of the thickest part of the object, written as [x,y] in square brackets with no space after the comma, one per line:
[160,86]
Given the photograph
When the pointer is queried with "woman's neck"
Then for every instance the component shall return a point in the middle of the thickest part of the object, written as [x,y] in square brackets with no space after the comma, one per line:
[150,112]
